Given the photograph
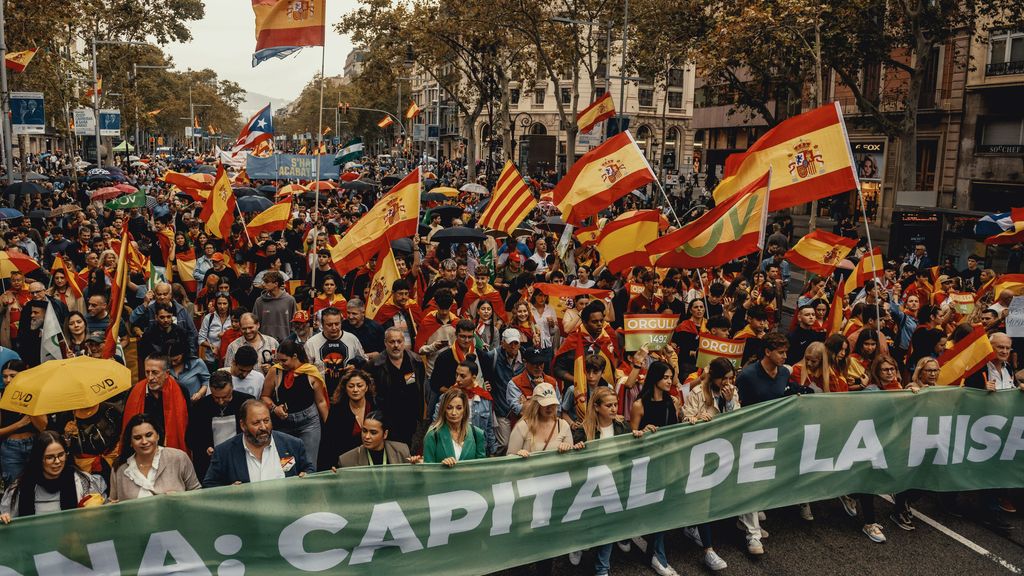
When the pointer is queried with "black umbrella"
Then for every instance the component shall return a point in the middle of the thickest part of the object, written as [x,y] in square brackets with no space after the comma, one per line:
[435,197]
[423,230]
[268,189]
[402,245]
[30,176]
[459,234]
[254,203]
[39,214]
[205,169]
[22,188]
[357,185]
[243,191]
[312,194]
[553,224]
[447,213]
[389,181]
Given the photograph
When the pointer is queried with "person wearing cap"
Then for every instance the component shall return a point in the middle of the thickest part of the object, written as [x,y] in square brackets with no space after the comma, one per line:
[524,386]
[540,429]
[302,328]
[219,265]
[943,286]
[500,366]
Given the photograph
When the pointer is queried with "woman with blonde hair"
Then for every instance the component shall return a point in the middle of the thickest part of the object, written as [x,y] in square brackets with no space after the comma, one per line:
[926,373]
[812,373]
[452,437]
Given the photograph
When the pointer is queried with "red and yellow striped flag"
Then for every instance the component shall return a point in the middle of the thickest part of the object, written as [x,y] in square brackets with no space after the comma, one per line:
[395,215]
[197,189]
[835,319]
[383,278]
[1014,282]
[272,219]
[820,251]
[965,358]
[623,241]
[601,177]
[808,154]
[185,262]
[511,201]
[59,264]
[412,111]
[95,90]
[17,61]
[118,286]
[385,122]
[283,28]
[732,229]
[219,210]
[1013,235]
[870,266]
[599,110]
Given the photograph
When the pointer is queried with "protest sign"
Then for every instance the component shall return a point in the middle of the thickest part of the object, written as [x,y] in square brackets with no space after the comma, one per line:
[653,329]
[711,347]
[486,515]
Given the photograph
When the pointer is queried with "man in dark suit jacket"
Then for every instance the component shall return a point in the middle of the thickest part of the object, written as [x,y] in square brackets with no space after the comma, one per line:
[258,453]
[215,418]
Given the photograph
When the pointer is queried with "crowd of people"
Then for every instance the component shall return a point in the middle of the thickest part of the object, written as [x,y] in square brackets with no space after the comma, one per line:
[272,368]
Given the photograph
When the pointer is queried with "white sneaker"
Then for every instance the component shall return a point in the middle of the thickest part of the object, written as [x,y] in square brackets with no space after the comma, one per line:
[805,512]
[575,557]
[641,544]
[662,569]
[691,533]
[714,561]
[624,545]
[755,547]
[850,505]
[874,532]
[761,517]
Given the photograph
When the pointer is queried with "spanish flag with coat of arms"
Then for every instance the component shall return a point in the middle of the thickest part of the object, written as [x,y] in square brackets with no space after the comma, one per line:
[219,210]
[809,156]
[283,27]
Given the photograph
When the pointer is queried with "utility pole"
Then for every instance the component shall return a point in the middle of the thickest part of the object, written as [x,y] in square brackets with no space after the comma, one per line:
[5,97]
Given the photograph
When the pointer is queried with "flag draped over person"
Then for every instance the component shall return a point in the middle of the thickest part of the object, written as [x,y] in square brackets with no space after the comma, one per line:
[598,111]
[283,27]
[809,156]
[394,216]
[602,176]
[61,265]
[732,229]
[820,251]
[219,210]
[511,201]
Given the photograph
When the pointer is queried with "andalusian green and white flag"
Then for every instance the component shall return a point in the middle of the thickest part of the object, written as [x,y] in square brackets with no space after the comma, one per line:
[351,152]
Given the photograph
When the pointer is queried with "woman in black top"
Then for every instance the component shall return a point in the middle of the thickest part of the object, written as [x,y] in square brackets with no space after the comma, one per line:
[296,394]
[343,430]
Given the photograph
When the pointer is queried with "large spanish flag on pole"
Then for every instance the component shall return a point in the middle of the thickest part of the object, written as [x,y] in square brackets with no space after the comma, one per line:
[599,110]
[809,156]
[601,177]
[820,251]
[272,219]
[17,61]
[732,229]
[623,241]
[511,201]
[394,216]
[283,27]
[965,358]
[219,210]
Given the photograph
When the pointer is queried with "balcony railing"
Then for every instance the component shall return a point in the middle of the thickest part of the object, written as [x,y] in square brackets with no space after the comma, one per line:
[1005,68]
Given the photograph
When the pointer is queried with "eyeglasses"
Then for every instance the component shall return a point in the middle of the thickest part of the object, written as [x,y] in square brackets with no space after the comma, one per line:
[931,370]
[54,458]
[890,369]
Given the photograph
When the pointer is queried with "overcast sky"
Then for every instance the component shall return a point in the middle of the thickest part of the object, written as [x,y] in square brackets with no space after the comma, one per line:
[225,38]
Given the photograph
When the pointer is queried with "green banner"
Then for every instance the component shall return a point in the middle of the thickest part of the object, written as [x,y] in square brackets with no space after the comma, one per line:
[487,515]
[133,200]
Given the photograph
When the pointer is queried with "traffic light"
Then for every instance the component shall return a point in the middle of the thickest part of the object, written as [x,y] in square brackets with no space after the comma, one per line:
[343,107]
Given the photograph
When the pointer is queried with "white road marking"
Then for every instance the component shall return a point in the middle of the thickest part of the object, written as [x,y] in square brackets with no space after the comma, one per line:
[961,539]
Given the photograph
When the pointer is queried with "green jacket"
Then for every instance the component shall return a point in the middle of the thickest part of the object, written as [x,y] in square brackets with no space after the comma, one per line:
[437,444]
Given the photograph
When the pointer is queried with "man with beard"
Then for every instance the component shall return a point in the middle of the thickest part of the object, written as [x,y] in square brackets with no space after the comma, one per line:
[214,419]
[30,333]
[332,348]
[258,453]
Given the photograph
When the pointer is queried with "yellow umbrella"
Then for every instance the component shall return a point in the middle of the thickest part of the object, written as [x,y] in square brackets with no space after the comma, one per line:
[449,192]
[62,385]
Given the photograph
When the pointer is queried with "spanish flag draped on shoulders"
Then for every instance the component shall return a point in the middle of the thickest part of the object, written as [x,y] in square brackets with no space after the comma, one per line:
[483,291]
[570,357]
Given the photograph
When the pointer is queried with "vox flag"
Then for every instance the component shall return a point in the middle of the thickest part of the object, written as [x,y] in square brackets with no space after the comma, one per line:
[219,210]
[395,215]
[809,156]
[623,241]
[820,251]
[732,229]
[601,177]
[511,201]
[283,27]
[598,111]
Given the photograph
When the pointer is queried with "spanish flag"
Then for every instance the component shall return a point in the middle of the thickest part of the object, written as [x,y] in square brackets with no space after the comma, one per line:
[835,319]
[1013,235]
[870,266]
[965,358]
[475,292]
[808,154]
[59,264]
[394,216]
[598,111]
[95,90]
[185,262]
[197,189]
[326,130]
[820,251]
[412,111]
[303,150]
[284,27]
[623,241]
[219,210]
[580,343]
[384,277]
[588,235]
[385,122]
[1013,282]
[732,229]
[272,219]
[17,61]
[118,285]
[601,177]
[511,201]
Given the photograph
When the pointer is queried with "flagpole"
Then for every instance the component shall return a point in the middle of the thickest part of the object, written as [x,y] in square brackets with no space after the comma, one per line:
[871,249]
[242,218]
[320,125]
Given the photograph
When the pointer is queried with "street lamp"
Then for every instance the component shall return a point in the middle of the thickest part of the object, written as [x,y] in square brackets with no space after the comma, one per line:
[524,119]
[133,78]
[95,95]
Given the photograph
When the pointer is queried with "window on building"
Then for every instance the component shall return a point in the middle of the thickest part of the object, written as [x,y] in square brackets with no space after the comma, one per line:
[927,156]
[538,96]
[646,97]
[599,91]
[1002,131]
[871,81]
[675,100]
[566,95]
[1006,53]
[930,81]
[513,96]
[675,77]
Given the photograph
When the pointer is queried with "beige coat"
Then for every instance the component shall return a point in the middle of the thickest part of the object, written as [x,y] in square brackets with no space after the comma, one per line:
[175,474]
[696,405]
